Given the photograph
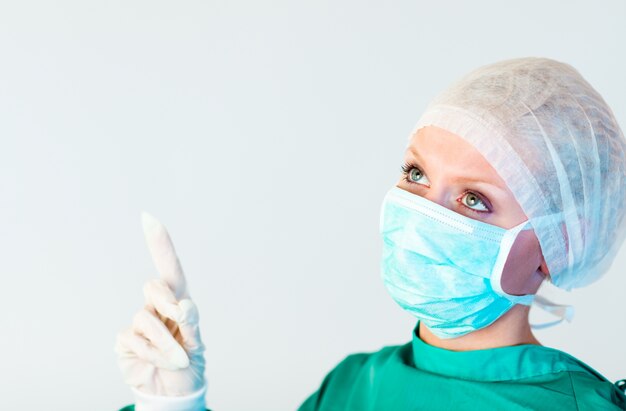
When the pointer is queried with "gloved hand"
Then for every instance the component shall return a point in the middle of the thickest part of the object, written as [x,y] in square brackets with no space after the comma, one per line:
[162,353]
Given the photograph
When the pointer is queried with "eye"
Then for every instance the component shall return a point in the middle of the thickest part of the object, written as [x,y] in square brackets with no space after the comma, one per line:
[474,202]
[470,200]
[414,175]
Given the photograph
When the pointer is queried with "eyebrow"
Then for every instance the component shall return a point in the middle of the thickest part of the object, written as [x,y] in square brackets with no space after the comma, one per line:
[459,179]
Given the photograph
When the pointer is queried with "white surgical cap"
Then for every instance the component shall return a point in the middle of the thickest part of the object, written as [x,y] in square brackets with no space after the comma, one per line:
[557,145]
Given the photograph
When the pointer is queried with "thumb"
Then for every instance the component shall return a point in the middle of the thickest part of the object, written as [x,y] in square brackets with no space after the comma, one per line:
[164,255]
[189,327]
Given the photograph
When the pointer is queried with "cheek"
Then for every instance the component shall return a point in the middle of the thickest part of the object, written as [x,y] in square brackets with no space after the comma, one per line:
[519,276]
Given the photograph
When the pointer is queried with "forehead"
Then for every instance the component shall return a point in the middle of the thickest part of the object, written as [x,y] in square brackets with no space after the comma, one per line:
[440,149]
[435,140]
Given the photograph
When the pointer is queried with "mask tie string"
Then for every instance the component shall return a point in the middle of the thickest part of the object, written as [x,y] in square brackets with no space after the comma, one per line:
[564,312]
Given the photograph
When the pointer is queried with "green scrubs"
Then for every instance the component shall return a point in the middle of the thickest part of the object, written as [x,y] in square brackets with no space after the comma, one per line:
[419,376]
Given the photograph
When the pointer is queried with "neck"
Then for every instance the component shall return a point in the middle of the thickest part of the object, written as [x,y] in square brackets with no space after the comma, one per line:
[512,328]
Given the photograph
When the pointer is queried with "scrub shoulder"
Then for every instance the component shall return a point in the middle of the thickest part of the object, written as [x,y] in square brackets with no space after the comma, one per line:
[594,393]
[388,379]
[343,389]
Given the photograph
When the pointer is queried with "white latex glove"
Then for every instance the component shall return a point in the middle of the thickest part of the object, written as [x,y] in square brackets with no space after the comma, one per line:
[162,353]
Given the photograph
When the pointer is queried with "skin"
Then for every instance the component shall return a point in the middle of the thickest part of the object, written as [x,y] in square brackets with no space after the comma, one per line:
[441,165]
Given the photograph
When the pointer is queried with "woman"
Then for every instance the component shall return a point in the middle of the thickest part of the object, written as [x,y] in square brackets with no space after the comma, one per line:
[514,175]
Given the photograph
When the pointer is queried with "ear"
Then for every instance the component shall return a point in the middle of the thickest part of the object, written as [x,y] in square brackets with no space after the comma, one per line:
[544,268]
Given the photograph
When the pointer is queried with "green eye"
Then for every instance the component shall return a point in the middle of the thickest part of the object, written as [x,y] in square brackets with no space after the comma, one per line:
[472,200]
[415,175]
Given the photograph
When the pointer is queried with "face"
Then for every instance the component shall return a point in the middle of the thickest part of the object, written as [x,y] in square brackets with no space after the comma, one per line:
[442,167]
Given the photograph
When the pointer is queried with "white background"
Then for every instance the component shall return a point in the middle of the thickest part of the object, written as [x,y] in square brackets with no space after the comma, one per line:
[264,135]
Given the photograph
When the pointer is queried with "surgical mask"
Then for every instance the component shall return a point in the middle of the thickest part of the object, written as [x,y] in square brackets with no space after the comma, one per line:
[445,268]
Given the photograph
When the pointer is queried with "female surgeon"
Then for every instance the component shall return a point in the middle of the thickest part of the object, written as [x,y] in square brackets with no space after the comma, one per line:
[514,175]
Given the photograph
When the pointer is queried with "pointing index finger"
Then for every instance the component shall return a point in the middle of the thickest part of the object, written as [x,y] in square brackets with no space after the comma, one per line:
[164,255]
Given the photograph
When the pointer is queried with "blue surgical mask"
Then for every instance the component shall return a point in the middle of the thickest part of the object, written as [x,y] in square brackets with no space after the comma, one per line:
[446,268]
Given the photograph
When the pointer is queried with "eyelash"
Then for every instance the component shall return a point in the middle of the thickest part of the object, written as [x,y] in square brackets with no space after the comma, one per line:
[406,169]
